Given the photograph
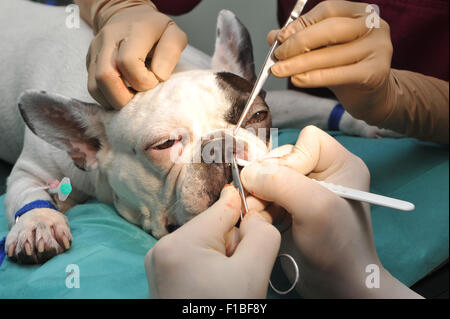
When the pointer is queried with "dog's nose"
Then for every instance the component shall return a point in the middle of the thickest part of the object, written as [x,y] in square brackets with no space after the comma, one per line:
[220,149]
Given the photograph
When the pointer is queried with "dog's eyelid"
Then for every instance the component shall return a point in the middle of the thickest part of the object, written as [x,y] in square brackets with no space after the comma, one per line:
[169,141]
[258,117]
[259,106]
[155,142]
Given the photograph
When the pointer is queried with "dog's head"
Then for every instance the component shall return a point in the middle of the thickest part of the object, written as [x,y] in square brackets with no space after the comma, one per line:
[164,157]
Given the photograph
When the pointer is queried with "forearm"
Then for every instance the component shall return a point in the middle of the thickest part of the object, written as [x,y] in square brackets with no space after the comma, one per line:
[97,12]
[85,9]
[23,188]
[418,106]
[391,288]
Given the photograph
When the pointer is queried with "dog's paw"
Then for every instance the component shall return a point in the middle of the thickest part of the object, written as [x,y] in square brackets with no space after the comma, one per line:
[352,126]
[376,132]
[38,235]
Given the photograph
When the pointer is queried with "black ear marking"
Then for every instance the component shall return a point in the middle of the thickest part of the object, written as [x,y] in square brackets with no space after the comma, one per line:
[237,90]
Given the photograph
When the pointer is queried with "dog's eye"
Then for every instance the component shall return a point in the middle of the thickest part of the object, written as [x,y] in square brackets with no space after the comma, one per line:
[167,144]
[258,117]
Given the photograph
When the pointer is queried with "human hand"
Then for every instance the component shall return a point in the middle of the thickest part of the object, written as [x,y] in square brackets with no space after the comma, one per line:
[127,33]
[330,237]
[339,45]
[193,261]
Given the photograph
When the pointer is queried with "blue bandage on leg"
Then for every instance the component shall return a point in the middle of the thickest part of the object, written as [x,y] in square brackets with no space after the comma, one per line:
[2,250]
[335,117]
[30,206]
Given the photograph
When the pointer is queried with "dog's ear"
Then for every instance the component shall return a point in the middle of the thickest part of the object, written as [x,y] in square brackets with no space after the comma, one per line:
[234,51]
[68,124]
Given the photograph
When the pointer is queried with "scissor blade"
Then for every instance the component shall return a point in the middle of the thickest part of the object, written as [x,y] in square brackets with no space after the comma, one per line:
[268,63]
[238,184]
[299,6]
[262,77]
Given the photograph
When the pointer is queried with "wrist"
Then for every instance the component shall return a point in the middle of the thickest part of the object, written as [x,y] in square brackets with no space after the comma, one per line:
[364,279]
[101,11]
[372,106]
[389,288]
[383,101]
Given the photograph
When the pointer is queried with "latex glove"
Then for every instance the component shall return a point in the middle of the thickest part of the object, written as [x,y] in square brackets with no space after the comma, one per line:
[338,45]
[127,32]
[330,237]
[192,262]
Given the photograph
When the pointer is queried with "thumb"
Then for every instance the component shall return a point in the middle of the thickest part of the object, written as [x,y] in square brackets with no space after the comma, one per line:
[286,187]
[315,151]
[221,217]
[259,245]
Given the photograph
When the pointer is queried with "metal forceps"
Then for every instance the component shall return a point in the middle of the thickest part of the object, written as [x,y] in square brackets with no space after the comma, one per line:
[262,77]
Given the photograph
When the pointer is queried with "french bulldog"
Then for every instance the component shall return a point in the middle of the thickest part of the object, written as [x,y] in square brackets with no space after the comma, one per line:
[142,158]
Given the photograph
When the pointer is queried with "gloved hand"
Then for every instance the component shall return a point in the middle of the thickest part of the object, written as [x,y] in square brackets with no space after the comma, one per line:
[330,237]
[127,32]
[339,45]
[192,262]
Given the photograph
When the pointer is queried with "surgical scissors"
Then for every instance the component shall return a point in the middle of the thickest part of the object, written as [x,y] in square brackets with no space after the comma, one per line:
[268,63]
[262,77]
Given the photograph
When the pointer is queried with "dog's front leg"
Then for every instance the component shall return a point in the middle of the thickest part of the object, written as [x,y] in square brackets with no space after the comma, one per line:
[294,109]
[40,233]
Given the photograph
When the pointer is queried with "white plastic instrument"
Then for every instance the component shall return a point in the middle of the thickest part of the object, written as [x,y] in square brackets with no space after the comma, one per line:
[355,194]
